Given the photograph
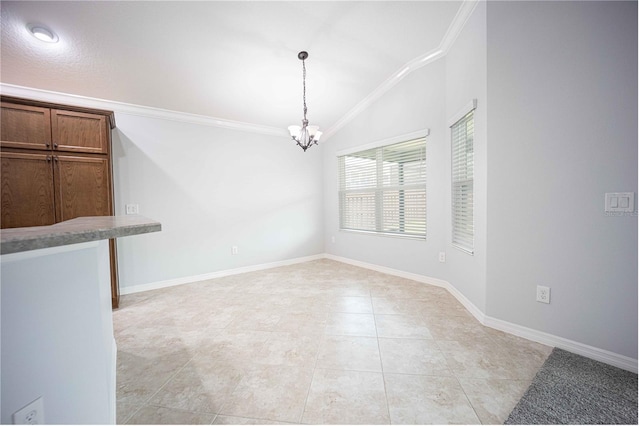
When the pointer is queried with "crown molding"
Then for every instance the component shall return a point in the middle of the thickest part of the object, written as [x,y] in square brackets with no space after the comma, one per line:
[138,110]
[459,21]
[455,28]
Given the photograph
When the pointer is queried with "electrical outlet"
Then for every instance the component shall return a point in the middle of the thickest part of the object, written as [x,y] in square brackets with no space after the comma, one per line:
[543,294]
[30,414]
[234,250]
[131,208]
[442,257]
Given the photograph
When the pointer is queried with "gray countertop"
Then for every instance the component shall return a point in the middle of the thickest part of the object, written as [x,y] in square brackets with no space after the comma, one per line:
[79,230]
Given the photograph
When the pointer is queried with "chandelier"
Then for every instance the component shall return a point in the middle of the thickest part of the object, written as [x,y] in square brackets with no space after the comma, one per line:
[306,135]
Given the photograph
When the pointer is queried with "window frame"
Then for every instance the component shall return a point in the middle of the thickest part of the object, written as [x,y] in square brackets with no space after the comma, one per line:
[465,245]
[379,188]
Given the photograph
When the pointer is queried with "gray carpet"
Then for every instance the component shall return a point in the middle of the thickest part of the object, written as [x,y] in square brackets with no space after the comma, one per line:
[572,389]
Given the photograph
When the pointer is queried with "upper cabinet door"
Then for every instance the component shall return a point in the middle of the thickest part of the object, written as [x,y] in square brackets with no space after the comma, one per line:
[27,189]
[25,126]
[79,132]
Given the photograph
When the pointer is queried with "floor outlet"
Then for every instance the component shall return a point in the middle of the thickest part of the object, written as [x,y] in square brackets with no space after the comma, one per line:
[31,414]
[543,294]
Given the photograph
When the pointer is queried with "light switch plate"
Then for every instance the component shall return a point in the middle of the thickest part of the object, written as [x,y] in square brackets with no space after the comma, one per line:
[619,202]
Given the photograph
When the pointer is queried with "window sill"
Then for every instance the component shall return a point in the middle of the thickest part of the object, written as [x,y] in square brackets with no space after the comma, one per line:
[386,234]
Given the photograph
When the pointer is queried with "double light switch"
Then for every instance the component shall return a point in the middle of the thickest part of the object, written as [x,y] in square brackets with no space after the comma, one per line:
[619,202]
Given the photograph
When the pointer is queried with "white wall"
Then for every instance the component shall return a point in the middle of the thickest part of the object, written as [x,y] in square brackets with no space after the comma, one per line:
[466,79]
[562,79]
[415,103]
[426,98]
[556,128]
[212,188]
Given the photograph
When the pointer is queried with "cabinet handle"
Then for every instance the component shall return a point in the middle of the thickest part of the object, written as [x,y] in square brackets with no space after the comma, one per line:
[48,158]
[47,144]
[55,145]
[55,159]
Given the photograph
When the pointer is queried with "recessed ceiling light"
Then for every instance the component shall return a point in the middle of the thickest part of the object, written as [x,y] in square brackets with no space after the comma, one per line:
[42,33]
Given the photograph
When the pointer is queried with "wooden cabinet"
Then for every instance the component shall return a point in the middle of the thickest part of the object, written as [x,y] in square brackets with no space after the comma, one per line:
[82,187]
[31,127]
[55,166]
[27,189]
[79,132]
[25,126]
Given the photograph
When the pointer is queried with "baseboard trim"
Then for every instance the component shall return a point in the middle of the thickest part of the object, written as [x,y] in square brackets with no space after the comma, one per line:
[469,306]
[395,272]
[602,355]
[218,274]
[592,352]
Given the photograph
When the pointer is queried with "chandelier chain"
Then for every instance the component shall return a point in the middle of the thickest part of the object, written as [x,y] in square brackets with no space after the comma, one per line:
[304,88]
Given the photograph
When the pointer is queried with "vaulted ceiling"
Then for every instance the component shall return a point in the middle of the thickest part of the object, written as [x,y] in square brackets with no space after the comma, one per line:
[232,60]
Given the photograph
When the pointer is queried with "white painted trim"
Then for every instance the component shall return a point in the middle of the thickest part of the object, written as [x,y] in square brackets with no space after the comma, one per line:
[473,310]
[455,28]
[389,141]
[137,110]
[382,89]
[592,352]
[472,105]
[395,272]
[211,275]
[459,21]
[588,351]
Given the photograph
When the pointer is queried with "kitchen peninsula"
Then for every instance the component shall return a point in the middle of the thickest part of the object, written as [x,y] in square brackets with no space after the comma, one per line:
[57,331]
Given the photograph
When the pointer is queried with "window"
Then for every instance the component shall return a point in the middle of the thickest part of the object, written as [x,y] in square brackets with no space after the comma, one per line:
[383,189]
[462,182]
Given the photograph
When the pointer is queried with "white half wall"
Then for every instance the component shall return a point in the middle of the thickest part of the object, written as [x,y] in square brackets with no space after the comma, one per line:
[57,334]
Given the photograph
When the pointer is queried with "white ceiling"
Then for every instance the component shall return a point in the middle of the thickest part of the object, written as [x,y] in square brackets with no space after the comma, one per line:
[233,60]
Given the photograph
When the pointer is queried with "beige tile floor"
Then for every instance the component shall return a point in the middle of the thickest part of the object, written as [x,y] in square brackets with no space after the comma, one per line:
[317,342]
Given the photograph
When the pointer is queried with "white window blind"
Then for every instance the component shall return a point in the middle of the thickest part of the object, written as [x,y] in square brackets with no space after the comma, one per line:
[383,189]
[462,183]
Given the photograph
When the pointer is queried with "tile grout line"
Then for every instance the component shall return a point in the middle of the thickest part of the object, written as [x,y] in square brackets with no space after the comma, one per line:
[384,382]
[455,375]
[424,313]
[146,401]
[244,374]
[313,375]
